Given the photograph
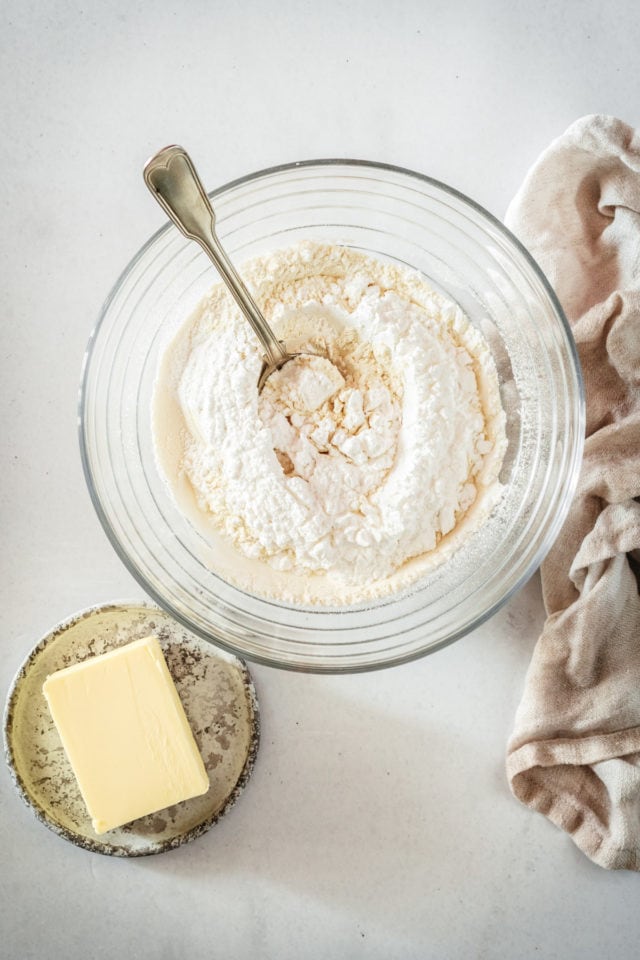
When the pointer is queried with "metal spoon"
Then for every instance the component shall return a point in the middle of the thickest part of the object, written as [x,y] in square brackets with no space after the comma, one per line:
[173,181]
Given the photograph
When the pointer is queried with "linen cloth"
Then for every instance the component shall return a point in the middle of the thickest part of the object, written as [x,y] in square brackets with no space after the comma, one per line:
[574,754]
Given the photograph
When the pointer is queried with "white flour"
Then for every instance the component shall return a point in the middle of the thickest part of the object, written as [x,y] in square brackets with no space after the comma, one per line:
[344,480]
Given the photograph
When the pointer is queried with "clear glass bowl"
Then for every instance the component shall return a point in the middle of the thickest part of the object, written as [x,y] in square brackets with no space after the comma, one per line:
[464,252]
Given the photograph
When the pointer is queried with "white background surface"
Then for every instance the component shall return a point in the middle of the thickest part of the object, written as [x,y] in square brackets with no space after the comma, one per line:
[378,822]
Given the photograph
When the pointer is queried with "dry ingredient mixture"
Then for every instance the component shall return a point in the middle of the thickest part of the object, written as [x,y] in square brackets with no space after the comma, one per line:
[354,472]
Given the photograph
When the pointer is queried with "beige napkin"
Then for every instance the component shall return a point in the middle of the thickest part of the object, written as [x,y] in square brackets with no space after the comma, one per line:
[574,754]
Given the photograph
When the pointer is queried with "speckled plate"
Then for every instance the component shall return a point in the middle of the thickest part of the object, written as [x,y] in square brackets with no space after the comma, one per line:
[218,697]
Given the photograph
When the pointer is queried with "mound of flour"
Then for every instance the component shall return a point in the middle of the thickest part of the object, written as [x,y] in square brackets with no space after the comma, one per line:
[354,465]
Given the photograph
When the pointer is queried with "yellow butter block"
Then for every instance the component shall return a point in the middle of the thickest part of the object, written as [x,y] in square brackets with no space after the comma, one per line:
[126,734]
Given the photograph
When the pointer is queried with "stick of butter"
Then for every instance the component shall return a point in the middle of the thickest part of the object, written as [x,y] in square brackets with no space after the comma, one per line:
[125,733]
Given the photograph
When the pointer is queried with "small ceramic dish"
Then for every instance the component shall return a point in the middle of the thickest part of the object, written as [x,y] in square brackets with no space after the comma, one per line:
[219,699]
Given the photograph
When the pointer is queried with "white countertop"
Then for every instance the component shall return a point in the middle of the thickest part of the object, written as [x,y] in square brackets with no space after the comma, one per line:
[378,822]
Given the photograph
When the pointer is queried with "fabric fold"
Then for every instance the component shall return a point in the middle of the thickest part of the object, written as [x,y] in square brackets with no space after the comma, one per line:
[574,754]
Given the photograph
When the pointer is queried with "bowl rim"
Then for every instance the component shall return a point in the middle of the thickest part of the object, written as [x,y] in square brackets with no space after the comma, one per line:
[562,506]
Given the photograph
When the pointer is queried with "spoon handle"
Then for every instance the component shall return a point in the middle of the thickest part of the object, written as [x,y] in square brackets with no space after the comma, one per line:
[173,181]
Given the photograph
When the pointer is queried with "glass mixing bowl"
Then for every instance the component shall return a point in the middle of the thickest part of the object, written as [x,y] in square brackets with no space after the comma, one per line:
[465,253]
